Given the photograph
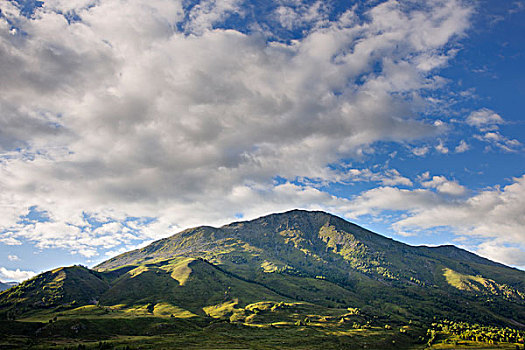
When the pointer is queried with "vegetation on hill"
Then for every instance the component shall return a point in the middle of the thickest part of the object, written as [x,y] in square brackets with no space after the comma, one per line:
[63,287]
[293,273]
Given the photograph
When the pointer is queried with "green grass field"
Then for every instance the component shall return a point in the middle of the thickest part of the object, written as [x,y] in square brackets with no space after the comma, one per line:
[261,325]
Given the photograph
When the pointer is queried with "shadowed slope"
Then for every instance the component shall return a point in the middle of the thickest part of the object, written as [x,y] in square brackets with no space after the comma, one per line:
[297,256]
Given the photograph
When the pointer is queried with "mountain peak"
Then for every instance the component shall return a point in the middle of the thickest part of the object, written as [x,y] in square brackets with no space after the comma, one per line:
[293,213]
[297,237]
[295,256]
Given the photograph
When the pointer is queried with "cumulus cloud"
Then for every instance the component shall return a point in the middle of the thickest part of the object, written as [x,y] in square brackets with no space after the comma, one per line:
[484,119]
[15,275]
[487,122]
[205,14]
[511,255]
[7,240]
[13,257]
[442,185]
[420,151]
[146,109]
[498,141]
[393,178]
[441,148]
[297,14]
[462,147]
[495,214]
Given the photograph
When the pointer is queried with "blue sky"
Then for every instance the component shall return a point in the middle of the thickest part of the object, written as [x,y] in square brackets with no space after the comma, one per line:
[126,121]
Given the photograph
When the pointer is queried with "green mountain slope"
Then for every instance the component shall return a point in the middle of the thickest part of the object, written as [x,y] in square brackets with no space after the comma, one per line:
[316,244]
[310,258]
[186,283]
[63,287]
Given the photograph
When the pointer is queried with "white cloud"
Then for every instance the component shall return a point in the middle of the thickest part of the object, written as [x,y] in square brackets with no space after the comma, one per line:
[378,199]
[15,275]
[462,147]
[297,14]
[499,252]
[120,113]
[424,176]
[487,121]
[420,151]
[484,119]
[13,258]
[441,148]
[209,12]
[393,178]
[349,175]
[442,185]
[499,141]
[10,241]
[68,5]
[494,215]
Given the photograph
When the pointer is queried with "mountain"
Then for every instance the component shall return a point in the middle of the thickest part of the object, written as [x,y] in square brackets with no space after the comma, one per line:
[7,285]
[64,287]
[321,258]
[282,267]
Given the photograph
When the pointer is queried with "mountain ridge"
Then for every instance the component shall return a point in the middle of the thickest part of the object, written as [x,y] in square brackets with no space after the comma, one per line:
[297,256]
[461,252]
[366,238]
